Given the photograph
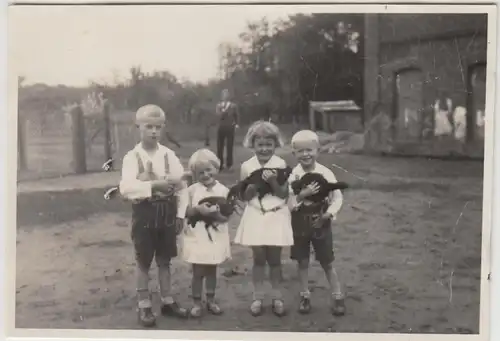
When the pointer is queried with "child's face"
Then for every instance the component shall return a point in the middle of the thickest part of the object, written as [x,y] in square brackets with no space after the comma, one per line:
[150,132]
[205,173]
[264,148]
[306,152]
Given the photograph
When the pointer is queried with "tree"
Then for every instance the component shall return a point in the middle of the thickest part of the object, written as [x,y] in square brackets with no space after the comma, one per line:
[293,61]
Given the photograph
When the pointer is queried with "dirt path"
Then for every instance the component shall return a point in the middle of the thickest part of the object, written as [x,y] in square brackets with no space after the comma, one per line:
[401,242]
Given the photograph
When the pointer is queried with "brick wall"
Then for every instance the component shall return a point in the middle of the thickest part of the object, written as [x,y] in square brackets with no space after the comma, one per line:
[401,27]
[445,62]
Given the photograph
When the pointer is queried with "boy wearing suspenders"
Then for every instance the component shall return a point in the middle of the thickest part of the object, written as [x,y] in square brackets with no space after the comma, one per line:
[152,181]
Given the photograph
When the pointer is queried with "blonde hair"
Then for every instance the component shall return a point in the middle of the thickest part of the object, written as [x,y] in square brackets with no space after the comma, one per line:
[203,156]
[304,136]
[149,113]
[263,129]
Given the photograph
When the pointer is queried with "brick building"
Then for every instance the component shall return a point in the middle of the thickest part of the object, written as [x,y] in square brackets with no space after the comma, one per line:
[425,83]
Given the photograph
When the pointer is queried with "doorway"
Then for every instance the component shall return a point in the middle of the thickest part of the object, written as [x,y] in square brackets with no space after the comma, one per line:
[409,104]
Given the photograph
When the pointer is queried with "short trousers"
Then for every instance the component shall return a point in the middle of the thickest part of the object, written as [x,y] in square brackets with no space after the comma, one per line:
[304,234]
[154,233]
[323,247]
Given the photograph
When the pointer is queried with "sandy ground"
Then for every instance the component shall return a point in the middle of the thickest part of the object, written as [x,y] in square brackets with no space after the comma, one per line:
[407,241]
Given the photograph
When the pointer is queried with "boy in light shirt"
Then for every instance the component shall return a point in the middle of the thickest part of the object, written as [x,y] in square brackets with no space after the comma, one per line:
[152,181]
[312,223]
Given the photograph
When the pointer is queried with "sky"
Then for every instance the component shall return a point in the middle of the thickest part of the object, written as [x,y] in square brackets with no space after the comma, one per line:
[73,45]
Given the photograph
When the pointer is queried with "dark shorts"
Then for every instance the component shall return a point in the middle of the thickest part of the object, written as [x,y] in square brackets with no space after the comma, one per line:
[153,232]
[305,235]
[323,248]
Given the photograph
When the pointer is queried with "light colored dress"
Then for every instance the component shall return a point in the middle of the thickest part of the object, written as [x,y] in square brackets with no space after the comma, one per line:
[264,229]
[196,247]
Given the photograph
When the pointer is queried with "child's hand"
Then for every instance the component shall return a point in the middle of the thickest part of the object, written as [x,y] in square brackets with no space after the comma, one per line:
[174,180]
[163,186]
[311,189]
[269,175]
[179,225]
[322,220]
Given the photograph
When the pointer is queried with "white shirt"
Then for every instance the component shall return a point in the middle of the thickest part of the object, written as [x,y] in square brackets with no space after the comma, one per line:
[335,200]
[197,192]
[134,189]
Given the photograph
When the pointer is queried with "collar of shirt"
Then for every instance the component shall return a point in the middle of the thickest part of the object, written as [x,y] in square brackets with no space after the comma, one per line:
[301,170]
[271,163]
[152,156]
[211,187]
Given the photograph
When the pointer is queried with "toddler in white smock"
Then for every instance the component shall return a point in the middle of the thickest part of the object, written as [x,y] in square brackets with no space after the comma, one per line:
[205,248]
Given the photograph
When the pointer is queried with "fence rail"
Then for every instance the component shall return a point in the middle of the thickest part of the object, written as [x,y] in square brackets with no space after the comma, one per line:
[61,143]
[72,143]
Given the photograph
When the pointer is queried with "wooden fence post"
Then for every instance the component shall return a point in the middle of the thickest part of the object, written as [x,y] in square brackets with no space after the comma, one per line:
[107,135]
[78,140]
[22,160]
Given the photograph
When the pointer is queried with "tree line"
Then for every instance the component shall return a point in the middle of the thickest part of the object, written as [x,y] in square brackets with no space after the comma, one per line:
[273,70]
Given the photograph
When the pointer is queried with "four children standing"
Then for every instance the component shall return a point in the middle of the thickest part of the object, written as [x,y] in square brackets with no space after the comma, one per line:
[152,179]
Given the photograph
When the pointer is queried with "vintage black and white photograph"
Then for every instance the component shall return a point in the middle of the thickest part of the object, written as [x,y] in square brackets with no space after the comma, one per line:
[253,168]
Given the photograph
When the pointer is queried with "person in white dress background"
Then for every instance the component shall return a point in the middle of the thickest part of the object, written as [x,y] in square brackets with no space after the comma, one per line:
[268,231]
[197,248]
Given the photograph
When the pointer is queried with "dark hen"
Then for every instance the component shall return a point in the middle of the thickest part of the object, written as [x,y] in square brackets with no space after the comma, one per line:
[325,187]
[225,209]
[255,178]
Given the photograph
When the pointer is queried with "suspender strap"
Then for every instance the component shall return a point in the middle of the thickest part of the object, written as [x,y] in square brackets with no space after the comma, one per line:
[163,211]
[167,164]
[141,164]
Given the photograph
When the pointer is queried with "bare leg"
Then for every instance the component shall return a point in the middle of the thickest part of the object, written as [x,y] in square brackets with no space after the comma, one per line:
[333,279]
[258,276]
[258,272]
[273,255]
[303,271]
[142,286]
[210,281]
[145,313]
[337,298]
[197,288]
[169,306]
[210,285]
[165,283]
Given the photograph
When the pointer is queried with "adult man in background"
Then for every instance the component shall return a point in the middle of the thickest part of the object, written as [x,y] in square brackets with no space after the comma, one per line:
[227,114]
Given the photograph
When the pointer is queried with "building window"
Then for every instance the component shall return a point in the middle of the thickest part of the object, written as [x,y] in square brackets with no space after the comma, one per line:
[477,101]
[409,105]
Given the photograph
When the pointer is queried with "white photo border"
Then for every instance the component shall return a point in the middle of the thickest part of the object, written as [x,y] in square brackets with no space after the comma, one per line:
[9,158]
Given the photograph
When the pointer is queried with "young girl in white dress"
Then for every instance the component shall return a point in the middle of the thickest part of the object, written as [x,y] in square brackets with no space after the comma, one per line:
[266,231]
[197,248]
